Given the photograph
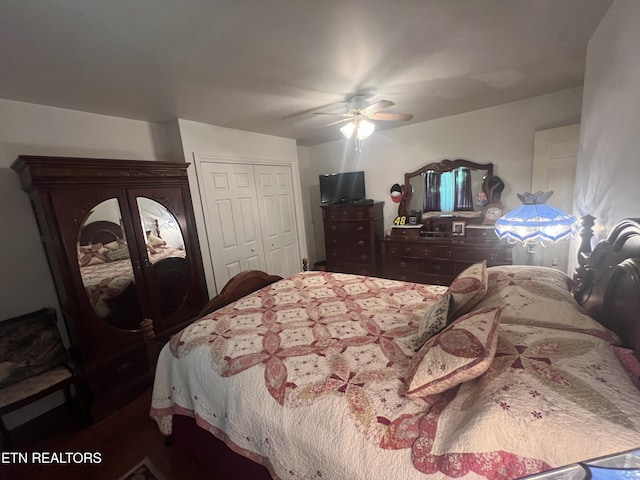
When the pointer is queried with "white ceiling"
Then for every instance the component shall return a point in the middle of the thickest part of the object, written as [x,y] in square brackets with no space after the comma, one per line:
[266,65]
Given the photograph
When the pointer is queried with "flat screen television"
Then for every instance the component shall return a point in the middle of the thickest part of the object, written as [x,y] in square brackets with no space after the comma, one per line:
[347,187]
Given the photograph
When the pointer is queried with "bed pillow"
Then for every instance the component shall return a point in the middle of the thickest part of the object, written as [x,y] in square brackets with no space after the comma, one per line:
[116,254]
[436,318]
[538,296]
[468,288]
[92,254]
[461,352]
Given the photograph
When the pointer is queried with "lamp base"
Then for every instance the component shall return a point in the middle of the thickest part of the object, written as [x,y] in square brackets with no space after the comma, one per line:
[531,250]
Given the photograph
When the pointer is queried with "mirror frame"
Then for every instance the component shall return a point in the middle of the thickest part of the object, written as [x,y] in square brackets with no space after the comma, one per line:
[443,166]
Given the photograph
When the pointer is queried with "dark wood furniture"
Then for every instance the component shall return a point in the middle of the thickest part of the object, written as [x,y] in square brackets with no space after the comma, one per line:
[438,259]
[352,234]
[608,279]
[78,200]
[431,250]
[36,364]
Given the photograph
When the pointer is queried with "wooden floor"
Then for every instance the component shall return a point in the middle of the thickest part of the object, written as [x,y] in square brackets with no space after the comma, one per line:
[123,440]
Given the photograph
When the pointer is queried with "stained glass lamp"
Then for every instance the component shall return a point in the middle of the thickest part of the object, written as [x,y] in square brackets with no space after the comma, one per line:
[535,222]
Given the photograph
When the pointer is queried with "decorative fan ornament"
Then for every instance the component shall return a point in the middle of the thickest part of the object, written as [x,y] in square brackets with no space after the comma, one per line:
[360,117]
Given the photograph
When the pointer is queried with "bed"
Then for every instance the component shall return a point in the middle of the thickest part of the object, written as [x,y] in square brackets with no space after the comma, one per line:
[338,376]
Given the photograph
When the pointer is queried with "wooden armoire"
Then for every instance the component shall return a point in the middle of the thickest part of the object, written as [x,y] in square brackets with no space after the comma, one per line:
[121,242]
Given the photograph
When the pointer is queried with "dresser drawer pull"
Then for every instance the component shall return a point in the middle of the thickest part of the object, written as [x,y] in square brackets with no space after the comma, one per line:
[437,268]
[361,243]
[364,257]
[403,264]
[394,251]
[334,227]
[335,241]
[334,254]
[407,249]
[360,228]
[360,215]
[449,254]
[126,367]
[426,253]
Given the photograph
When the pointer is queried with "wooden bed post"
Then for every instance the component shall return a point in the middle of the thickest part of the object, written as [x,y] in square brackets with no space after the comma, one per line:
[586,234]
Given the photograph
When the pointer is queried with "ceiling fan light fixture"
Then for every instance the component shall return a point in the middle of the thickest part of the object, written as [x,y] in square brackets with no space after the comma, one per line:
[348,129]
[364,129]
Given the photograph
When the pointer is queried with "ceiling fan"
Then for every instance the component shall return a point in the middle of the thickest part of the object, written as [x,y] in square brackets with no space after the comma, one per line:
[359,116]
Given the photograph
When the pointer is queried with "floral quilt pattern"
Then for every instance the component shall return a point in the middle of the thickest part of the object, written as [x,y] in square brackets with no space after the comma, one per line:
[323,356]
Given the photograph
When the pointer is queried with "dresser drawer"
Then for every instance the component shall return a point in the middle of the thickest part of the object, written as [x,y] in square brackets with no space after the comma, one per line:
[353,254]
[356,227]
[358,269]
[418,250]
[350,212]
[348,242]
[479,254]
[403,265]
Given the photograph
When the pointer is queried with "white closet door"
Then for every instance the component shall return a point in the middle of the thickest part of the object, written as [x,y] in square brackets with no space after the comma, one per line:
[274,187]
[555,155]
[231,217]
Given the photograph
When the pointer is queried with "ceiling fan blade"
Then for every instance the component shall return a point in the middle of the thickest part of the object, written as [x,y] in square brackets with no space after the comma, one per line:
[334,114]
[338,121]
[392,116]
[376,107]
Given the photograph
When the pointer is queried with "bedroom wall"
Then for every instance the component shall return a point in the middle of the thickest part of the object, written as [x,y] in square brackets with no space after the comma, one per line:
[609,151]
[25,281]
[502,135]
[196,142]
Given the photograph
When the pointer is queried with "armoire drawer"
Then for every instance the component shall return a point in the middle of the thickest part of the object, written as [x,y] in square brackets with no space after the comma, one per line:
[125,368]
[348,212]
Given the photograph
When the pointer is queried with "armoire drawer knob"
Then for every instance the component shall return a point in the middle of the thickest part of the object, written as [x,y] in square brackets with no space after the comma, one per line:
[425,253]
[403,264]
[126,367]
[361,242]
[360,228]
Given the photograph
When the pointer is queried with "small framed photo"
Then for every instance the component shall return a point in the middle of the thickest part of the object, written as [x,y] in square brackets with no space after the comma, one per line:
[458,228]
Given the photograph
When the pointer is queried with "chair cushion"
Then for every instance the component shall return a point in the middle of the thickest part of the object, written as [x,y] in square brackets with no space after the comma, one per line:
[29,344]
[33,385]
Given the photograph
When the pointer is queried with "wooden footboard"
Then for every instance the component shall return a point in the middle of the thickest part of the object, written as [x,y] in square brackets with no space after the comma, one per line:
[239,286]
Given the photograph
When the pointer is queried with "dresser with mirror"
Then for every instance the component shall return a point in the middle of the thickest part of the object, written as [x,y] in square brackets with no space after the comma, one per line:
[121,243]
[445,223]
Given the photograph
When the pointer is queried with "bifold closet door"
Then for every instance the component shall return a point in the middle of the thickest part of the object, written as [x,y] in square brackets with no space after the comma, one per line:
[250,219]
[231,216]
[278,219]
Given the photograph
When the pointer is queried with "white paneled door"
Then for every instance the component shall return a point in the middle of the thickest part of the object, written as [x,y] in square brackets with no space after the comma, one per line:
[277,219]
[555,154]
[250,219]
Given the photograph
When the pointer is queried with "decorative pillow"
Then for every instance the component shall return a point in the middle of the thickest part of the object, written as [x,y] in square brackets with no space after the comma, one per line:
[461,352]
[538,296]
[156,241]
[468,288]
[116,254]
[91,254]
[29,344]
[436,318]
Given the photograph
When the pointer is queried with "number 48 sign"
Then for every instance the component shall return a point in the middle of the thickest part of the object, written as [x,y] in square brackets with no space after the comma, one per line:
[400,220]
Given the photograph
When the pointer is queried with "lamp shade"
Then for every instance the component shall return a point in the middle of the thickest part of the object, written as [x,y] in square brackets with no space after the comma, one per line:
[535,222]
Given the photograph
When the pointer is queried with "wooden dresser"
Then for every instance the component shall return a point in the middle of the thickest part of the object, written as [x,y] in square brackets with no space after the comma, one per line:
[352,235]
[439,259]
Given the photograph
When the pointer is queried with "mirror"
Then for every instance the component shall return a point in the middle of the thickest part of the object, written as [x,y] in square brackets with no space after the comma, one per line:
[166,255]
[448,188]
[105,266]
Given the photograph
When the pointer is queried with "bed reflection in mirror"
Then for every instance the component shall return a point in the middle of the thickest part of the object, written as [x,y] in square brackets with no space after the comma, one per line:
[166,254]
[105,267]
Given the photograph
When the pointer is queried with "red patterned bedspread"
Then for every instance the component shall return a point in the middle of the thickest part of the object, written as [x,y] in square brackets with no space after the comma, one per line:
[304,376]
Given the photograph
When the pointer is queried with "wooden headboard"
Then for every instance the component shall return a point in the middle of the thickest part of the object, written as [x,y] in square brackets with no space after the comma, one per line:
[100,232]
[608,280]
